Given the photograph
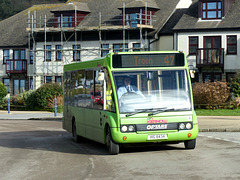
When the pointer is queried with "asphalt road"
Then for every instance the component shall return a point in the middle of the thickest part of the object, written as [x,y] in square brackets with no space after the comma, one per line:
[42,150]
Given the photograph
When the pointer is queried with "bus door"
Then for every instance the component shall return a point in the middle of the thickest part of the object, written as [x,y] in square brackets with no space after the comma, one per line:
[94,106]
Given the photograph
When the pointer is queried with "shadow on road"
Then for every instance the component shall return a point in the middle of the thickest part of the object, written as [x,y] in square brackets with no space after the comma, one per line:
[61,141]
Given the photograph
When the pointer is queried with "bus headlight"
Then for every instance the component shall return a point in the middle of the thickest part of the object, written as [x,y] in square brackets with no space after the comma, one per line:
[185,126]
[181,126]
[124,128]
[128,128]
[188,126]
[131,128]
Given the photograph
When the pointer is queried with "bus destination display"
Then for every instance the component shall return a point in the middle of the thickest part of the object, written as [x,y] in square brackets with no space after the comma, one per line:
[148,60]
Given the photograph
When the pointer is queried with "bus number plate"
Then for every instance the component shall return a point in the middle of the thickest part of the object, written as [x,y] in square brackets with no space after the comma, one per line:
[158,136]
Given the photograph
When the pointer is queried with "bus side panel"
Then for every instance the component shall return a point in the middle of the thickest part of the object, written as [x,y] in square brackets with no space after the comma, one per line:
[94,125]
[80,116]
[67,121]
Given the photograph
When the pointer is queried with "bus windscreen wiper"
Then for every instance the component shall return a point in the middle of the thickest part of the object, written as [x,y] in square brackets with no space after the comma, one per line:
[160,110]
[167,109]
[136,112]
[144,110]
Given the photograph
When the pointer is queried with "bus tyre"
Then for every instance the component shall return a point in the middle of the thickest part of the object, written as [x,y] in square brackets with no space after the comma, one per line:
[113,148]
[190,144]
[76,138]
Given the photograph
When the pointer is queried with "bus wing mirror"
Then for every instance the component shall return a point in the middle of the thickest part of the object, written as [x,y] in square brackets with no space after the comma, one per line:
[101,76]
[192,73]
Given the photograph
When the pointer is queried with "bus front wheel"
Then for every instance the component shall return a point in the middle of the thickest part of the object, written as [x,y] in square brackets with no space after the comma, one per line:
[113,148]
[190,144]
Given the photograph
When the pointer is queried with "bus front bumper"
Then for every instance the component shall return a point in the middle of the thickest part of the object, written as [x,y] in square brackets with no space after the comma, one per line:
[154,136]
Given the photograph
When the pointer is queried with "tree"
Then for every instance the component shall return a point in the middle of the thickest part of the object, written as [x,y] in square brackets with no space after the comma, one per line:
[6,9]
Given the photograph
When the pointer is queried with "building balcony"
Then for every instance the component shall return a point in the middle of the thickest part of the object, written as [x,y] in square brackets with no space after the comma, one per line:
[16,66]
[210,57]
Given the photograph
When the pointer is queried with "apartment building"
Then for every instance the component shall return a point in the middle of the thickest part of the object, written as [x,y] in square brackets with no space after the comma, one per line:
[37,42]
[209,32]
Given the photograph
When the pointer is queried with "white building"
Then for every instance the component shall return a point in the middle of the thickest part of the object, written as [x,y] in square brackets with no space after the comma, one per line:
[209,32]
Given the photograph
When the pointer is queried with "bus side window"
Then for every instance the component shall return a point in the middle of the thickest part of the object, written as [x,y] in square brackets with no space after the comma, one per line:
[110,104]
[81,88]
[89,88]
[97,93]
[73,88]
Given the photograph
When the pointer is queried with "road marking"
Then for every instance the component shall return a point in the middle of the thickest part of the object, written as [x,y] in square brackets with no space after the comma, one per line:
[219,138]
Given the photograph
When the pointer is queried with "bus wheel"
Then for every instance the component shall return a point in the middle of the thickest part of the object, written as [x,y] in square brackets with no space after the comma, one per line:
[190,144]
[113,148]
[76,138]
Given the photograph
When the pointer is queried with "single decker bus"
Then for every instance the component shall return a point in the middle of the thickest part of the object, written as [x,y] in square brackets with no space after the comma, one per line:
[131,98]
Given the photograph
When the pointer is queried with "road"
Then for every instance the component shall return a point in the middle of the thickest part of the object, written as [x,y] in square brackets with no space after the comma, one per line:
[42,150]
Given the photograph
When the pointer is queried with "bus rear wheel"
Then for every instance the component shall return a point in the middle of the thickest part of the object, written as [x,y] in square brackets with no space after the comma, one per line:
[76,138]
[191,144]
[113,148]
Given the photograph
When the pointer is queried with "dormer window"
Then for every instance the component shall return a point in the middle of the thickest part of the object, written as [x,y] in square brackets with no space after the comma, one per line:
[211,10]
[67,21]
[70,14]
[139,12]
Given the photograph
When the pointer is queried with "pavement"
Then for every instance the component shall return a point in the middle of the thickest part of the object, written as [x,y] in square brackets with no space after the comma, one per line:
[206,123]
[30,115]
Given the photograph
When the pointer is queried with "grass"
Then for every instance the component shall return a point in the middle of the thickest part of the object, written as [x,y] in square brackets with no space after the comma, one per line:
[218,112]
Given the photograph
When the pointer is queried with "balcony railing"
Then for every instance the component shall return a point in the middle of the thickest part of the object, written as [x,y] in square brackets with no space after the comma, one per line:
[16,66]
[210,57]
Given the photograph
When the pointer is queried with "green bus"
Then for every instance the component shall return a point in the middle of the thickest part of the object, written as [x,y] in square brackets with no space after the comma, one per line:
[131,97]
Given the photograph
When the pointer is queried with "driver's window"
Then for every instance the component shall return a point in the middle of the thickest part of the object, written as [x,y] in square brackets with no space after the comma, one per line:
[127,85]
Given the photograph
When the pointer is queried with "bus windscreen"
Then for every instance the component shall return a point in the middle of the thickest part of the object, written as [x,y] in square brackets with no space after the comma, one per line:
[147,60]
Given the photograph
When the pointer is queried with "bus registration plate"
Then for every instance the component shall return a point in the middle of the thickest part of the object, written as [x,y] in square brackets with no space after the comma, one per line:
[157,136]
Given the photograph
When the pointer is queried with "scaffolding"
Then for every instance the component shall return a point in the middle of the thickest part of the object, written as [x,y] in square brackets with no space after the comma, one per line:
[72,30]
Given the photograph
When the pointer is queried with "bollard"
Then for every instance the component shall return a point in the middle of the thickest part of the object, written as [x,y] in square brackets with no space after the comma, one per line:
[8,105]
[55,107]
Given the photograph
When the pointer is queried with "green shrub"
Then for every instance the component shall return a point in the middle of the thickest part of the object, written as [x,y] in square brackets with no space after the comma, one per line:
[3,92]
[211,93]
[235,85]
[40,98]
[31,101]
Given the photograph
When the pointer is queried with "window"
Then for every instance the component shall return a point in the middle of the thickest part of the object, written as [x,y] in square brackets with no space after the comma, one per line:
[105,50]
[18,86]
[67,21]
[109,100]
[132,19]
[76,52]
[212,10]
[193,45]
[58,53]
[31,56]
[136,47]
[89,88]
[58,79]
[19,54]
[47,53]
[48,79]
[231,44]
[6,55]
[212,77]
[120,48]
[31,83]
[6,82]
